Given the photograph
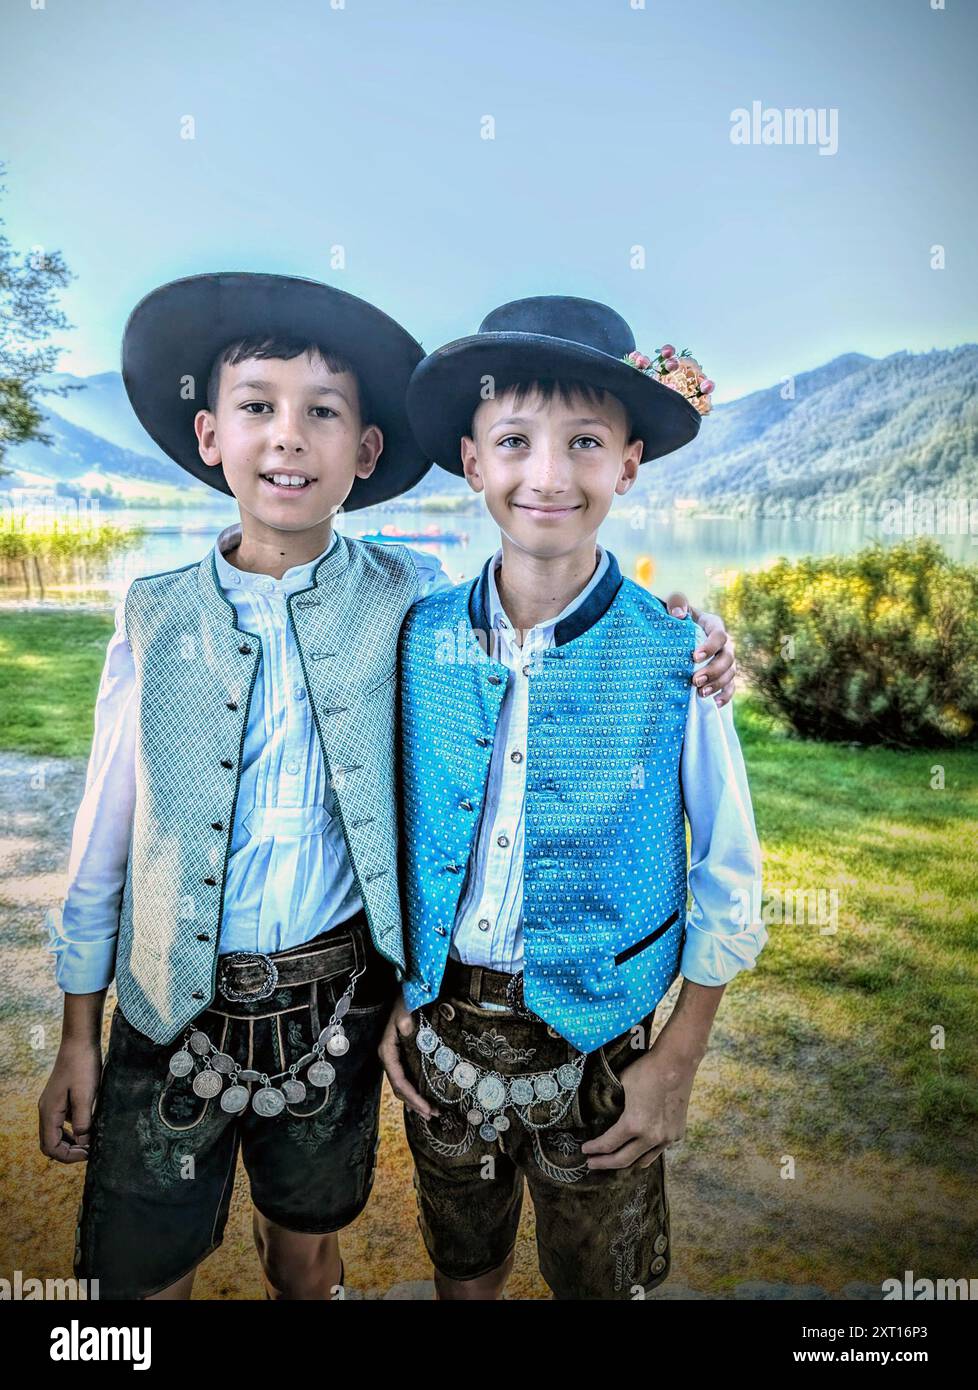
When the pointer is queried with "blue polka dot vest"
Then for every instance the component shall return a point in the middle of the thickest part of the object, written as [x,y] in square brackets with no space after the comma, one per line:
[604,889]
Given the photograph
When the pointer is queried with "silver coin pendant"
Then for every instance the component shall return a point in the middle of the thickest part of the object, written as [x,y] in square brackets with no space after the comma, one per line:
[181,1063]
[234,1099]
[268,1102]
[321,1074]
[207,1084]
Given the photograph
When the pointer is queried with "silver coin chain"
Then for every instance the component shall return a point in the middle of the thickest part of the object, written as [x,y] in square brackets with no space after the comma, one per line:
[268,1100]
[486,1095]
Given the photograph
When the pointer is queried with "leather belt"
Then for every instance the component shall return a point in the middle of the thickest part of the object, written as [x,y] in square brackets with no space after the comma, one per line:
[250,976]
[480,985]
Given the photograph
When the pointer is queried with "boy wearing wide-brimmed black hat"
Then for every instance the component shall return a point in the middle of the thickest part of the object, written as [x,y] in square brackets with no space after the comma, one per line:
[234,860]
[545,876]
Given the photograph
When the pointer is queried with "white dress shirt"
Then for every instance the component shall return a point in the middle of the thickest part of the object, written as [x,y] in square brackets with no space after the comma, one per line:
[289,875]
[725,856]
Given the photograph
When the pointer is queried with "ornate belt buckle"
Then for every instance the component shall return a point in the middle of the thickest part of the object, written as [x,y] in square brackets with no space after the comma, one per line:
[249,996]
[514,997]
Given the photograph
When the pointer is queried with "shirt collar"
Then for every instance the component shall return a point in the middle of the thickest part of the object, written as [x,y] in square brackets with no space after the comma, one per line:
[542,631]
[234,580]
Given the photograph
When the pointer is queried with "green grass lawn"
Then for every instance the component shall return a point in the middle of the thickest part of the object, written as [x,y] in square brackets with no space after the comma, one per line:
[899,976]
[49,672]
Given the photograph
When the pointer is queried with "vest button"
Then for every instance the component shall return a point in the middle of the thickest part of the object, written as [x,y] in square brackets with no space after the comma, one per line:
[202,936]
[482,741]
[216,825]
[197,994]
[441,931]
[231,704]
[226,762]
[465,805]
[211,881]
[495,680]
[245,649]
[658,1265]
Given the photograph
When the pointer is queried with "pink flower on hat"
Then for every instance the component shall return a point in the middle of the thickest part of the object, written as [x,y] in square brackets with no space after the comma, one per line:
[680,372]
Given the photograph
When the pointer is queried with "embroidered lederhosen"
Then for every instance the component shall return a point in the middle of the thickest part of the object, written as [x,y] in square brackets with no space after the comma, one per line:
[505,1116]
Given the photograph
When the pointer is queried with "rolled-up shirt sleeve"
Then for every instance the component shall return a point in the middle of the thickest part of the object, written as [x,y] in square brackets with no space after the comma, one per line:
[723,932]
[83,933]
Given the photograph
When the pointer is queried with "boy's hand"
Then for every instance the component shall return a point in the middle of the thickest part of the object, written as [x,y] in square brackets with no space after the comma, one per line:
[68,1098]
[719,678]
[401,1025]
[657,1089]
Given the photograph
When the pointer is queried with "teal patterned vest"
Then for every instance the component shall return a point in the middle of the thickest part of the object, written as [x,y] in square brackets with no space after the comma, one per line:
[604,888]
[196,671]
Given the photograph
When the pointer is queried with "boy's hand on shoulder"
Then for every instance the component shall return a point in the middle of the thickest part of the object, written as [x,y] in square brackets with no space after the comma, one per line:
[401,1025]
[67,1099]
[657,1089]
[719,677]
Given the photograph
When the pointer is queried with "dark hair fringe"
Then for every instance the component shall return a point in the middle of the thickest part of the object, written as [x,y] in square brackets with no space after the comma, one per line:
[547,388]
[264,346]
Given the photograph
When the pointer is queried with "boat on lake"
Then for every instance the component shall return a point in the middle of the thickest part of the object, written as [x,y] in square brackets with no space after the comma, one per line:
[431,535]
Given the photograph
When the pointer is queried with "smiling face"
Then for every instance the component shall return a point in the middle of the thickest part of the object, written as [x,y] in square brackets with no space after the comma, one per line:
[289,435]
[550,469]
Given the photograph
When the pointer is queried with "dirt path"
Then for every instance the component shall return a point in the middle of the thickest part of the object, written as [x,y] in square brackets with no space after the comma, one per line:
[740,1227]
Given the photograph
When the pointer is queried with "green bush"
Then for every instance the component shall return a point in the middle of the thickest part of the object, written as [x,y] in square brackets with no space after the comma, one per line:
[877,647]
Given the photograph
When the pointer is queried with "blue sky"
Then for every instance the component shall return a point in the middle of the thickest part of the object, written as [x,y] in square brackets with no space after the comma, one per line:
[360,127]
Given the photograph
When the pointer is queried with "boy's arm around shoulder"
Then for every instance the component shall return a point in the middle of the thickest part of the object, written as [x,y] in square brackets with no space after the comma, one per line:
[432,576]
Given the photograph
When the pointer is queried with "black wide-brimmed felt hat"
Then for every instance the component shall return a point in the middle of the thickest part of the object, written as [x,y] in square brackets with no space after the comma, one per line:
[545,338]
[178,330]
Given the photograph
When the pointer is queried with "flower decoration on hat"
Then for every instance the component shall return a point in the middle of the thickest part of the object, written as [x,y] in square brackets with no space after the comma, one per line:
[680,371]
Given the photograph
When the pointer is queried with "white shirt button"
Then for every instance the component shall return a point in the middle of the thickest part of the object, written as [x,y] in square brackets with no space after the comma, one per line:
[299,691]
[292,766]
[484,923]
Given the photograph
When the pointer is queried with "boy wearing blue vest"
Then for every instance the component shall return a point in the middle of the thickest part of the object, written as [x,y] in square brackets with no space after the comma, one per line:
[552,752]
[234,859]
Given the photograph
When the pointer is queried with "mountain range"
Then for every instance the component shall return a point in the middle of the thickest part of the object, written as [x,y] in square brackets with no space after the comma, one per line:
[853,432]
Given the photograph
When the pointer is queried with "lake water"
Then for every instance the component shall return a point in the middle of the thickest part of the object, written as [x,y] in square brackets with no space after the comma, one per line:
[669,550]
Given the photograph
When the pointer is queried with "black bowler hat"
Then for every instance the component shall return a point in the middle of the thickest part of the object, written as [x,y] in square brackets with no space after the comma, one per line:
[546,338]
[177,331]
